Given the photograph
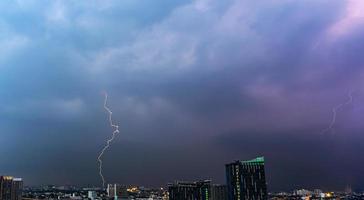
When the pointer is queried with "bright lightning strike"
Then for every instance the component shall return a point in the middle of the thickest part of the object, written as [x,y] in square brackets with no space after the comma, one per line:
[116,131]
[334,112]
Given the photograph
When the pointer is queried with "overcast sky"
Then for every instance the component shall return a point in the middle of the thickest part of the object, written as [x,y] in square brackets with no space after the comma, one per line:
[192,84]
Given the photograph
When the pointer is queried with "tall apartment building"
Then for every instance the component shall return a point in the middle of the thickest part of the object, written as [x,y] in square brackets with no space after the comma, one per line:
[246,180]
[11,188]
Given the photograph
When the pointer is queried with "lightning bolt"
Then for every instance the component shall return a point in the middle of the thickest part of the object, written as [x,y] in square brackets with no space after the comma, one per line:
[116,131]
[334,112]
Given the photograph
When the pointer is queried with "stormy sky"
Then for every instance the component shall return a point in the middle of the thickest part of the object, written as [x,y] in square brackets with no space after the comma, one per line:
[192,84]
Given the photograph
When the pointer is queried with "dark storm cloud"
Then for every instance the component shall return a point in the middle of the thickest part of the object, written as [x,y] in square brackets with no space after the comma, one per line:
[181,77]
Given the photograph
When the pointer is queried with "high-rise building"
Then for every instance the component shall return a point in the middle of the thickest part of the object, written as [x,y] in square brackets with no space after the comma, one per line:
[246,180]
[117,191]
[10,188]
[5,187]
[17,189]
[199,190]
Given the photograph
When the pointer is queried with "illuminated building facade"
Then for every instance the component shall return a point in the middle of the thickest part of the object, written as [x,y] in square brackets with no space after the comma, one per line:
[246,180]
[10,188]
[199,190]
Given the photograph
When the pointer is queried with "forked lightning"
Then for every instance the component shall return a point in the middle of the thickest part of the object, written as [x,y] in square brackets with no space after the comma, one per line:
[334,112]
[115,131]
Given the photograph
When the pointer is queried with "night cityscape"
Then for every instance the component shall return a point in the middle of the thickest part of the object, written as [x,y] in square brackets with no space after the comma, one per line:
[244,180]
[181,100]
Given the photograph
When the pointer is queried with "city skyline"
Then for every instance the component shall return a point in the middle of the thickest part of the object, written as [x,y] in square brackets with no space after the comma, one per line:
[192,85]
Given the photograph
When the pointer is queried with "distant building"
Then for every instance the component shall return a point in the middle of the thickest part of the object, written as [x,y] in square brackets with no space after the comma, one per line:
[302,192]
[117,191]
[10,188]
[246,180]
[188,190]
[348,189]
[219,192]
[318,192]
[198,190]
[92,195]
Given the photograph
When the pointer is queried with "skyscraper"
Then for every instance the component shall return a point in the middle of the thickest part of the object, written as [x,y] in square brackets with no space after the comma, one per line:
[246,180]
[10,188]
